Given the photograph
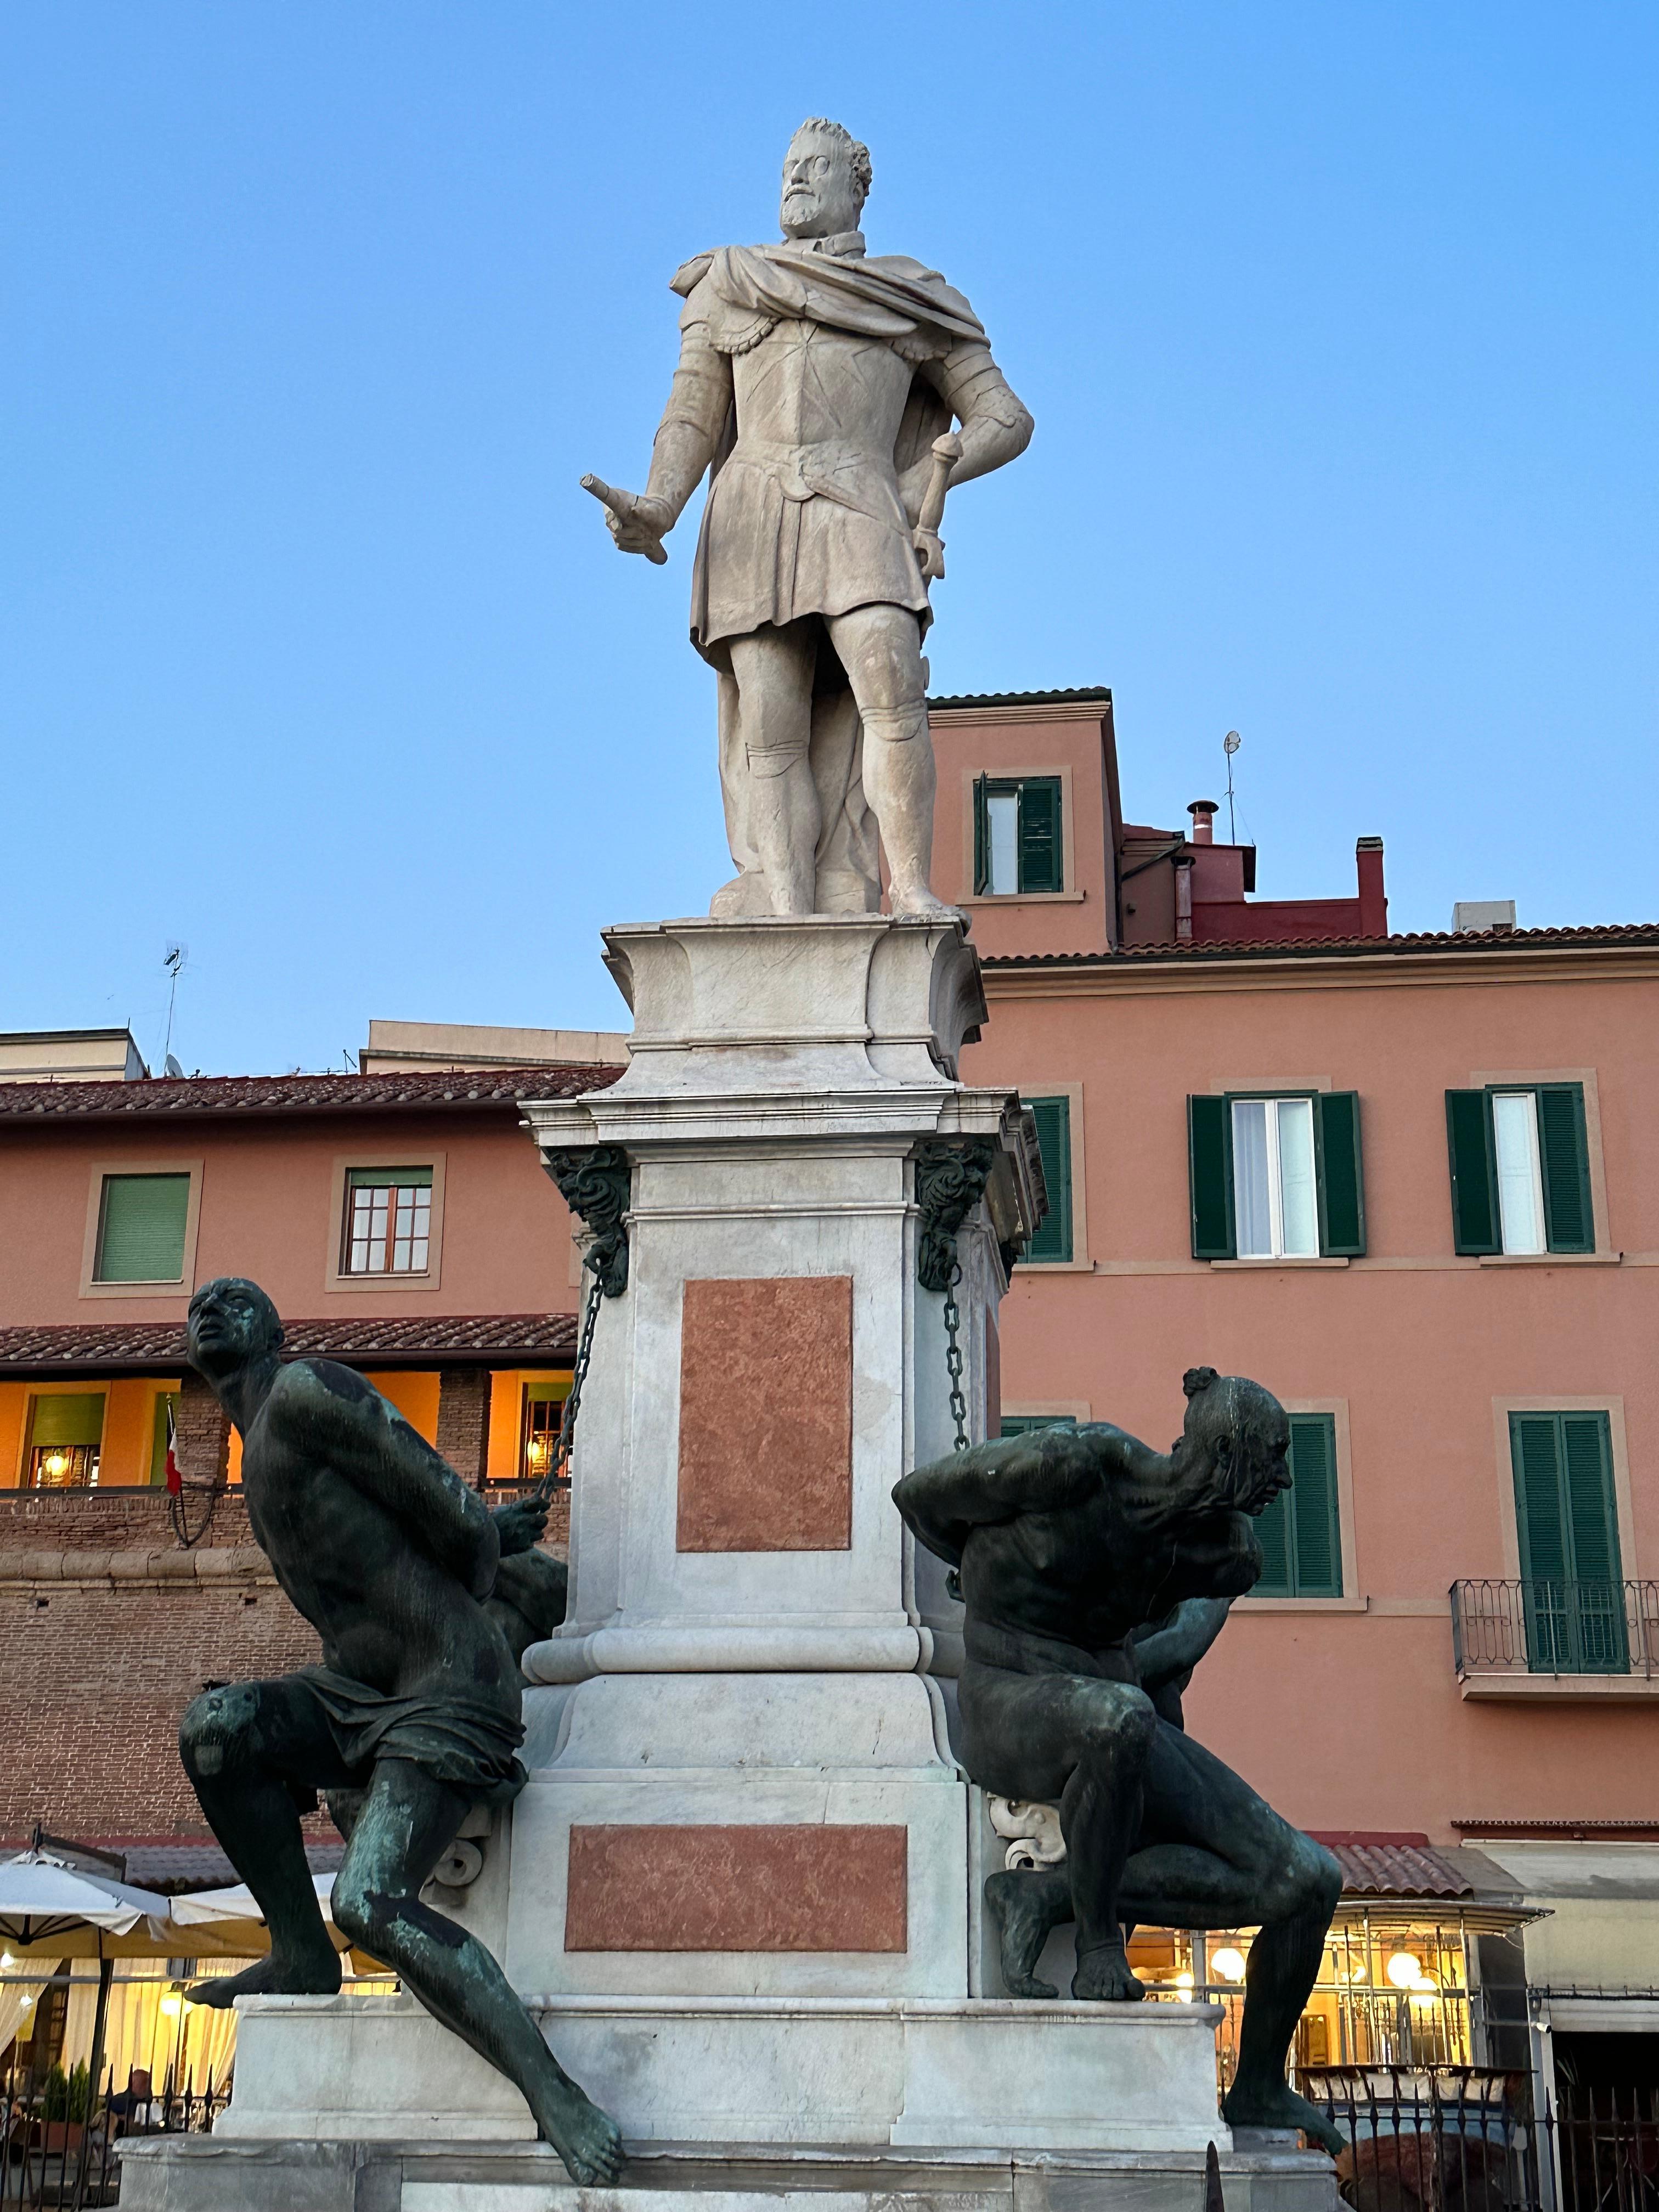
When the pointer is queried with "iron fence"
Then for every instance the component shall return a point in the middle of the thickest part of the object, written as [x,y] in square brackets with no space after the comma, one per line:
[58,2139]
[1565,1627]
[1444,2139]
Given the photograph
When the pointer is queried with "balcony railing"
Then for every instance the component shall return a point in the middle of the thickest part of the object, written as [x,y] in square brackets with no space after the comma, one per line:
[1555,1627]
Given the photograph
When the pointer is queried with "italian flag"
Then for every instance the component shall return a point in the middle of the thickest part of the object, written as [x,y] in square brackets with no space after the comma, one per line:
[175,1486]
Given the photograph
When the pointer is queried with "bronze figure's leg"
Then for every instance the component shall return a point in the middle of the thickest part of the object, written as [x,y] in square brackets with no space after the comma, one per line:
[407,1822]
[1028,1904]
[880,648]
[1080,1742]
[247,1748]
[1213,1855]
[773,669]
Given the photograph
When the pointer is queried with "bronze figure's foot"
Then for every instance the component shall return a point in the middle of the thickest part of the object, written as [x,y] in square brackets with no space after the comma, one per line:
[274,1977]
[588,2141]
[1104,1977]
[1276,2104]
[1018,1905]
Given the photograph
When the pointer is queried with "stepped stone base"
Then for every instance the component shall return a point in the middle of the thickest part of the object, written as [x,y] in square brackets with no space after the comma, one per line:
[212,2173]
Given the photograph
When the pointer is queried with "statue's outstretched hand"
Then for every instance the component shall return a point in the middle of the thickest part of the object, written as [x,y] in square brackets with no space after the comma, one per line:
[521,1524]
[638,524]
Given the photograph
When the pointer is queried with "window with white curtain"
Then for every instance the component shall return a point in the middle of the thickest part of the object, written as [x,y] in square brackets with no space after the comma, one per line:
[1520,1173]
[1275,1190]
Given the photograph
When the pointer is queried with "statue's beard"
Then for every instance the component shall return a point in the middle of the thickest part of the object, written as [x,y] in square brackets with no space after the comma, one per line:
[801,208]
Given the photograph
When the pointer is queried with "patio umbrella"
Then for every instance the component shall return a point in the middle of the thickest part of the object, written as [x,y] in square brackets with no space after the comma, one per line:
[218,1911]
[45,1900]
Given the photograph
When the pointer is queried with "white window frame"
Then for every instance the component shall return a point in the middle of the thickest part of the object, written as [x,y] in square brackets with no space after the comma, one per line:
[1275,1177]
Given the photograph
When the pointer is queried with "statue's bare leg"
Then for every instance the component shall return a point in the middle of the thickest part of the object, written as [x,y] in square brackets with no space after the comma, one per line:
[242,1746]
[1081,1743]
[880,648]
[407,1822]
[773,670]
[1213,1855]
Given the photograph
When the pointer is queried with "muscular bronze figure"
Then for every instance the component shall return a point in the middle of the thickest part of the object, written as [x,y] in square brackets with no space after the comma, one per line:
[1070,1543]
[412,1719]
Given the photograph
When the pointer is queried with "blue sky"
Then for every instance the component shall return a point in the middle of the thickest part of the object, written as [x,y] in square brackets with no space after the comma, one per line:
[1338,323]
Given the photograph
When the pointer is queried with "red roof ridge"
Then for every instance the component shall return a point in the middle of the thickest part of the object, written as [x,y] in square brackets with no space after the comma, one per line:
[187,1095]
[1495,942]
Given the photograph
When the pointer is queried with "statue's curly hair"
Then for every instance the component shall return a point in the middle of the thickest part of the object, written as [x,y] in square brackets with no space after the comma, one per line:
[858,153]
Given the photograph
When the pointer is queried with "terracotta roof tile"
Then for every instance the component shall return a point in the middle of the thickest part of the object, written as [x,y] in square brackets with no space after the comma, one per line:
[1082,691]
[159,1345]
[1494,942]
[188,1097]
[1393,1866]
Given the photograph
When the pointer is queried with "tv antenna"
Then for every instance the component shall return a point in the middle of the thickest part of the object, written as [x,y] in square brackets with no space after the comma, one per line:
[1229,745]
[174,960]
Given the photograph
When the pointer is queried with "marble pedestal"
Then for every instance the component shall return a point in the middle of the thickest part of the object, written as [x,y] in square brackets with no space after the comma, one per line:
[742,1889]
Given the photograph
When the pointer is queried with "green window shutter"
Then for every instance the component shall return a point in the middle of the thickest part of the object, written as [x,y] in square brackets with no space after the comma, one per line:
[1316,1536]
[1052,1116]
[1209,1177]
[1021,1425]
[1341,1174]
[981,836]
[1587,1457]
[1273,1530]
[1568,1222]
[1474,1172]
[1596,1626]
[141,1234]
[67,1418]
[383,1178]
[1534,1449]
[1039,834]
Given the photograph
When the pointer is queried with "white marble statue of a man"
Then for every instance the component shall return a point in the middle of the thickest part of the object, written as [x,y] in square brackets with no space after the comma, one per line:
[813,380]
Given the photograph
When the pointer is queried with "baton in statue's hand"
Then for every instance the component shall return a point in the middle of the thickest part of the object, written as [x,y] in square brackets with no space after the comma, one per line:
[624,506]
[930,546]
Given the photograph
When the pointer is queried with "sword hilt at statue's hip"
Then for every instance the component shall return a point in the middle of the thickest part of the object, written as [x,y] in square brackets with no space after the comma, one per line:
[930,546]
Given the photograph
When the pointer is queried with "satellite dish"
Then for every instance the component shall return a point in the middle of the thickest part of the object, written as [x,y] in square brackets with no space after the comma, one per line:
[170,1066]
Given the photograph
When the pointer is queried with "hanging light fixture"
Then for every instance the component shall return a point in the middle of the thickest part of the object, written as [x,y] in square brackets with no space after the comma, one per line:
[1405,1970]
[1229,1963]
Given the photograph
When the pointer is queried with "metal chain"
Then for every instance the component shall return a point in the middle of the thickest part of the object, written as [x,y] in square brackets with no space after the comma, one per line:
[187,1540]
[559,1466]
[953,1356]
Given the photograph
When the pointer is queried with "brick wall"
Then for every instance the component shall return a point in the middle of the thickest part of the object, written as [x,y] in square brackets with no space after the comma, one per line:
[108,1629]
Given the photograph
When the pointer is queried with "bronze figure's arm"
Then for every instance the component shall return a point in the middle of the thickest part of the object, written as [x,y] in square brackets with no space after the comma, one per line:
[369,1442]
[1038,1472]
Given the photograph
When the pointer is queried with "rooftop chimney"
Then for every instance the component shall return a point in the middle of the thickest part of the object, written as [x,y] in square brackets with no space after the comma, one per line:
[1476,917]
[1373,899]
[1203,811]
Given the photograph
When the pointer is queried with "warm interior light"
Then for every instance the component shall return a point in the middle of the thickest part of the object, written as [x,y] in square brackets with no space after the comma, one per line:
[535,1451]
[6,1959]
[1184,1981]
[173,2006]
[1405,1970]
[57,1464]
[1229,1963]
[25,2002]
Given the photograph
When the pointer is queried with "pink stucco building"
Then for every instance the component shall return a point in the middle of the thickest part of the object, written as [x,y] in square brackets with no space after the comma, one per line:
[1411,1184]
